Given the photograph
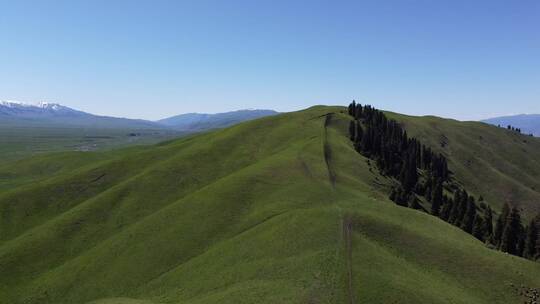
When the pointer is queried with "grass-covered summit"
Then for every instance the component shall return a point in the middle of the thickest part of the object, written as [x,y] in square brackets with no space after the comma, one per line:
[276,210]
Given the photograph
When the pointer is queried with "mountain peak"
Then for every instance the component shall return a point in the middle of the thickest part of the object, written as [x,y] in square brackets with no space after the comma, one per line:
[48,105]
[40,104]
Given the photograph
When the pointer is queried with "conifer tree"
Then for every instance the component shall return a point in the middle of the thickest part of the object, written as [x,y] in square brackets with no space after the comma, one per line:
[413,202]
[352,108]
[436,198]
[358,111]
[511,233]
[478,228]
[488,224]
[455,207]
[500,224]
[359,132]
[446,209]
[462,208]
[367,141]
[401,197]
[470,212]
[520,248]
[531,240]
[428,189]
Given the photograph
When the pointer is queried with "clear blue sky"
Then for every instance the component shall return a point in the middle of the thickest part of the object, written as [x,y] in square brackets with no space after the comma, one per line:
[462,59]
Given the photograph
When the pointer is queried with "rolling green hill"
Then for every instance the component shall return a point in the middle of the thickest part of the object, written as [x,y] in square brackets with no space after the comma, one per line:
[277,210]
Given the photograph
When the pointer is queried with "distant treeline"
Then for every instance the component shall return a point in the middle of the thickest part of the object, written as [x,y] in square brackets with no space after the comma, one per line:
[514,129]
[423,174]
[511,128]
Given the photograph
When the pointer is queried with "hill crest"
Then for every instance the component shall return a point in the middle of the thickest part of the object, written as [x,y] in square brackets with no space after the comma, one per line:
[280,209]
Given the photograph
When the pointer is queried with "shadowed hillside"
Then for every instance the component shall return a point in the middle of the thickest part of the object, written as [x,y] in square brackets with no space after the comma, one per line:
[280,209]
[501,165]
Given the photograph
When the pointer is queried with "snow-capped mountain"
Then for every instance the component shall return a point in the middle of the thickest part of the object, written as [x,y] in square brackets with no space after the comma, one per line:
[41,104]
[56,115]
[40,109]
[47,114]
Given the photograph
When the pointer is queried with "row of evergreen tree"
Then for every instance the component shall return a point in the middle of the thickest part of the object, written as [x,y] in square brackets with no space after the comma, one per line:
[396,154]
[423,173]
[514,129]
[511,128]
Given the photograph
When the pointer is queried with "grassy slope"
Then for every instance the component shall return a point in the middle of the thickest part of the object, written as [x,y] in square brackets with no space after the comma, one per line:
[280,209]
[498,164]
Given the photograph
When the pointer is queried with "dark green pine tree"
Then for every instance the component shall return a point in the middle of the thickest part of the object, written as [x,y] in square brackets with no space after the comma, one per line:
[478,228]
[488,224]
[454,211]
[358,111]
[520,248]
[413,202]
[531,240]
[500,224]
[446,209]
[511,232]
[359,132]
[409,173]
[470,212]
[399,196]
[402,197]
[367,141]
[428,188]
[436,197]
[462,208]
[352,108]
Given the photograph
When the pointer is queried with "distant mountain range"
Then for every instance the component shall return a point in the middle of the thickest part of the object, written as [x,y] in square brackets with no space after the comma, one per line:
[45,114]
[53,114]
[56,115]
[197,121]
[528,123]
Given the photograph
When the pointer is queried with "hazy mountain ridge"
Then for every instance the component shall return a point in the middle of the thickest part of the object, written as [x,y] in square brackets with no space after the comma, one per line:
[45,113]
[528,123]
[29,129]
[38,109]
[54,114]
[201,121]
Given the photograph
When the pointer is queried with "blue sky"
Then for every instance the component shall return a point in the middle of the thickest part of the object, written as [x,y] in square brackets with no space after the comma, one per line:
[152,59]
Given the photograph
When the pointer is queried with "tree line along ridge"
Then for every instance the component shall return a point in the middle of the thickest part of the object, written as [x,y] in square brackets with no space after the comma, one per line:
[421,174]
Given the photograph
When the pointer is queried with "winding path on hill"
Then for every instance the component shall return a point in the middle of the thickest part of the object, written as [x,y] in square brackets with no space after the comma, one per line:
[327,151]
[346,222]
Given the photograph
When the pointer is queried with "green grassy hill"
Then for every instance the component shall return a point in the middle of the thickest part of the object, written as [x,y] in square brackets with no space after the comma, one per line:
[276,210]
